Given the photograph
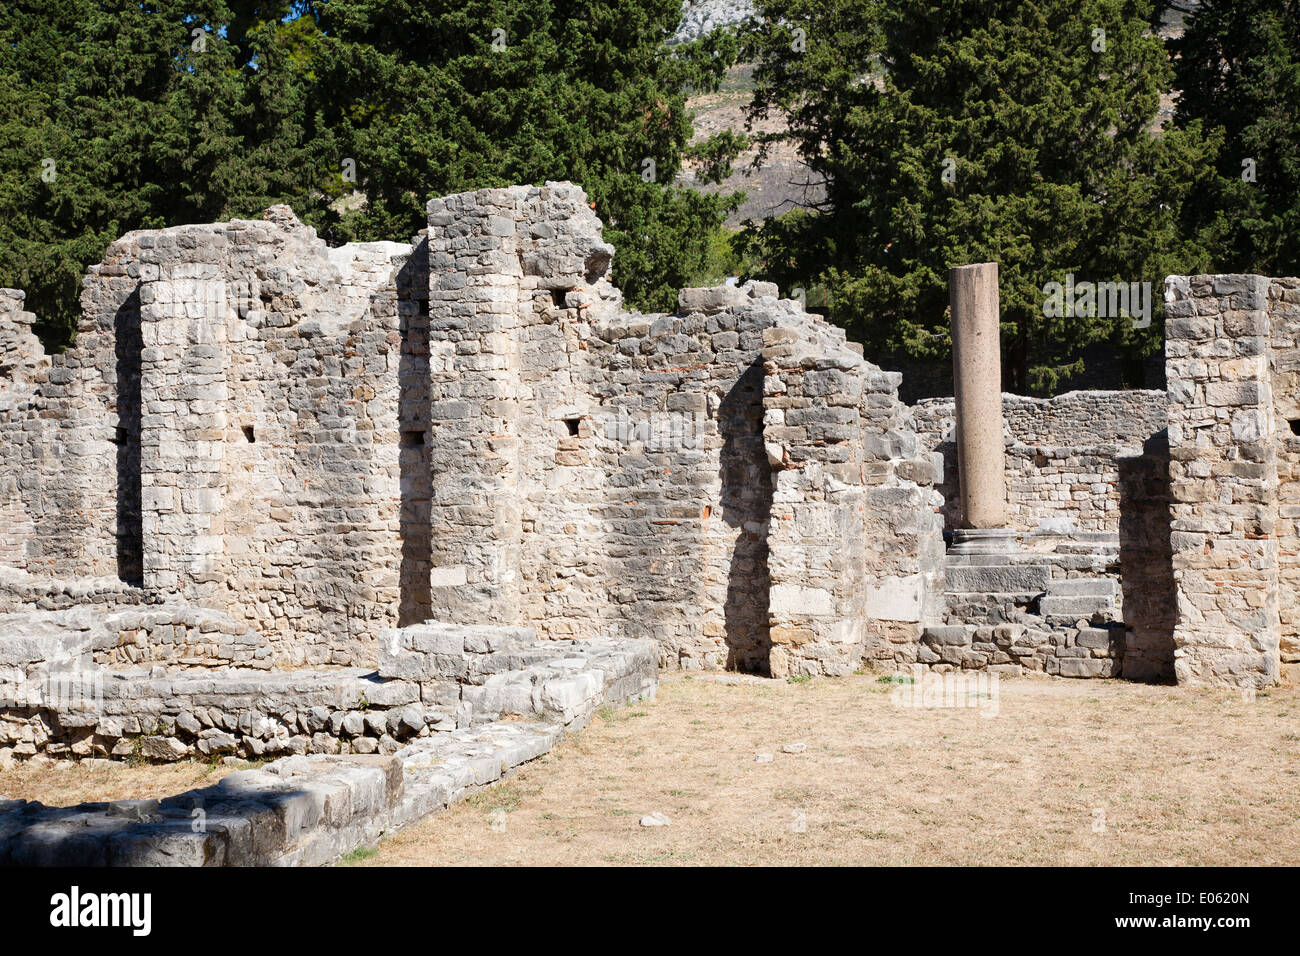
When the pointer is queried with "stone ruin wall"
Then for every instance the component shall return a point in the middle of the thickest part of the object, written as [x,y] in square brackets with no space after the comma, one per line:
[1086,472]
[1284,357]
[856,546]
[1066,457]
[22,359]
[58,460]
[620,479]
[240,381]
[1233,348]
[320,444]
[324,443]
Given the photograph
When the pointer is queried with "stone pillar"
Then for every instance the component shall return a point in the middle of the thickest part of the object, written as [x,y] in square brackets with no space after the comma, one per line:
[977,380]
[184,320]
[475,272]
[1223,480]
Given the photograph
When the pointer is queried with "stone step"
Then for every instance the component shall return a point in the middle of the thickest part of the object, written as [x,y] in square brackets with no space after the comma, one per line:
[1101,638]
[1073,607]
[954,634]
[998,578]
[1082,587]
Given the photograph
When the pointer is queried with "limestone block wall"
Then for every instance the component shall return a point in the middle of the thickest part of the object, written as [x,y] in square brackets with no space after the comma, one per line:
[22,359]
[227,431]
[280,464]
[58,480]
[326,443]
[1223,479]
[593,471]
[677,415]
[1284,368]
[184,325]
[600,472]
[855,544]
[20,590]
[1064,455]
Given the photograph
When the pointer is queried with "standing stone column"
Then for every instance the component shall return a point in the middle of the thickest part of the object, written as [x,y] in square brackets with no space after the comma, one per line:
[977,379]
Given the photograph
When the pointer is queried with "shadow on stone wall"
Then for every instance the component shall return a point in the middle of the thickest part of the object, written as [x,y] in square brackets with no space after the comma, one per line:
[1146,562]
[746,506]
[130,533]
[414,396]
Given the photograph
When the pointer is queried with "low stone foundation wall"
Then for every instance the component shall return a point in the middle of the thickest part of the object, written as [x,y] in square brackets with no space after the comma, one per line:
[311,810]
[434,679]
[20,591]
[178,635]
[1052,606]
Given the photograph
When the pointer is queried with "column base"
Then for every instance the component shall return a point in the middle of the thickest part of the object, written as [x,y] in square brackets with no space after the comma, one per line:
[984,541]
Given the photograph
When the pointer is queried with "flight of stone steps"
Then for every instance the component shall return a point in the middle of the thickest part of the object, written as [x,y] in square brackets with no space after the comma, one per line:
[1011,613]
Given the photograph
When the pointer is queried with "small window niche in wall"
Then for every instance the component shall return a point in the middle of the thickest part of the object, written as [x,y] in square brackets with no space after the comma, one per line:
[249,435]
[572,425]
[1295,425]
[412,439]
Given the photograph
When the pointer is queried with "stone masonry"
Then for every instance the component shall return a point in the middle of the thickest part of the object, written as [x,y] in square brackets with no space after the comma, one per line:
[269,472]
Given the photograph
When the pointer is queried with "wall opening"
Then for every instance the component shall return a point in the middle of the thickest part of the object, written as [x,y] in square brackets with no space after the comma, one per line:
[127,345]
[249,436]
[416,474]
[572,425]
[1146,563]
[746,507]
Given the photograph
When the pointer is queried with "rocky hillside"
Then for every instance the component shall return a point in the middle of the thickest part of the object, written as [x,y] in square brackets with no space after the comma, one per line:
[783,182]
[700,17]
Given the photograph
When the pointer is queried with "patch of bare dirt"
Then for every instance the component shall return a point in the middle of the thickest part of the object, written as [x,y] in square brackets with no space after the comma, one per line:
[65,783]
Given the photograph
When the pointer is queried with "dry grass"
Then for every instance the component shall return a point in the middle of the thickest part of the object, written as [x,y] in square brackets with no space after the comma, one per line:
[1183,777]
[64,783]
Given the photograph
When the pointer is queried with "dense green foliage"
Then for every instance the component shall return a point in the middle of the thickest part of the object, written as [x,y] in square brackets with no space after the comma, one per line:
[199,110]
[945,132]
[114,116]
[1046,135]
[1238,67]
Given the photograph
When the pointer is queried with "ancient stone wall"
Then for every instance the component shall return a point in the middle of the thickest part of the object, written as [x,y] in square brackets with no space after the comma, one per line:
[58,488]
[677,412]
[322,443]
[596,471]
[226,432]
[855,541]
[1063,455]
[1223,447]
[22,360]
[1284,369]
